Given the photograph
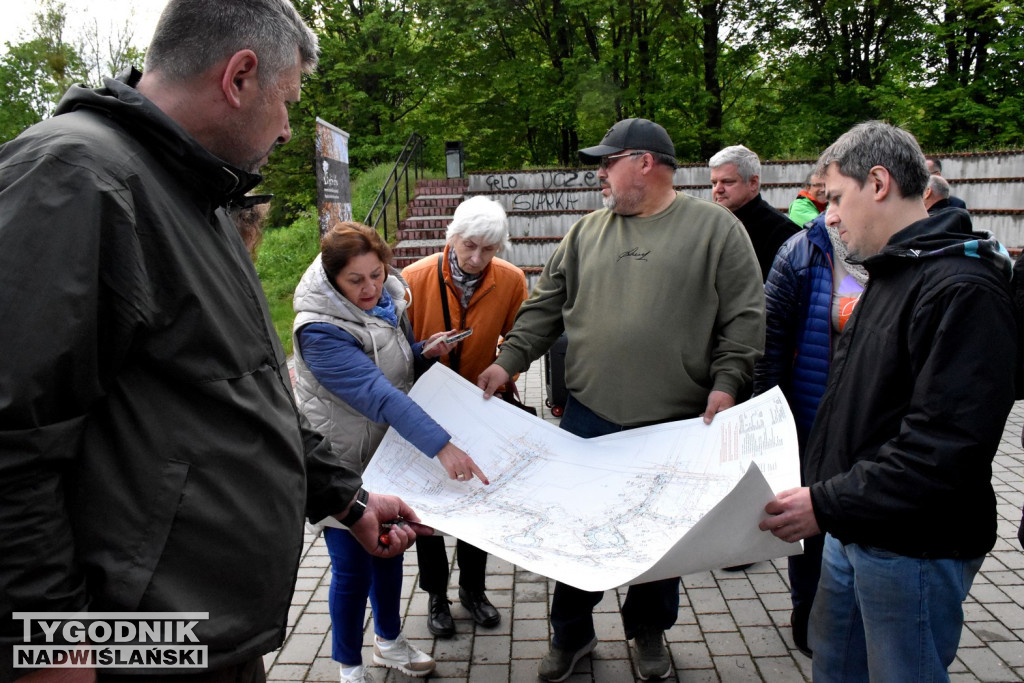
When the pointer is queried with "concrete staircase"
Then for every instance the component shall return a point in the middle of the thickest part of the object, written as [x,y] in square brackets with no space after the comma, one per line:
[543,204]
[429,213]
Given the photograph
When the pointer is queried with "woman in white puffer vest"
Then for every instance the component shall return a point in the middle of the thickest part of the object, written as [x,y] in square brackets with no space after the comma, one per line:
[354,363]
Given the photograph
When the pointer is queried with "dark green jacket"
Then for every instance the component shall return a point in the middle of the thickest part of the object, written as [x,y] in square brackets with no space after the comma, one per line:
[151,455]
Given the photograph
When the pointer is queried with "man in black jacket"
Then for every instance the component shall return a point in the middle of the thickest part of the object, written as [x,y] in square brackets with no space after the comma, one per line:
[736,185]
[936,195]
[152,459]
[898,461]
[935,168]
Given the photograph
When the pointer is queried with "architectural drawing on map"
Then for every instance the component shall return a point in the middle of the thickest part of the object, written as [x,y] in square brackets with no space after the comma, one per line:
[590,512]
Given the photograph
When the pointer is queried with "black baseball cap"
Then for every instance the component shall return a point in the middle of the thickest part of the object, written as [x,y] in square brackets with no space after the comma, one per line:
[630,134]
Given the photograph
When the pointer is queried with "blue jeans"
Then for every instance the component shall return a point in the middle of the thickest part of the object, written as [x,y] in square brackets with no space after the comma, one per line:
[653,605]
[356,575]
[886,618]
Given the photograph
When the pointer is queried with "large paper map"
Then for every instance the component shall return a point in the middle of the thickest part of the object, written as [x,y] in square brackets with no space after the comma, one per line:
[644,504]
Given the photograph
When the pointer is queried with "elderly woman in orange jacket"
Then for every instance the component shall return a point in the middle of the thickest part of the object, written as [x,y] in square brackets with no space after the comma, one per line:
[465,286]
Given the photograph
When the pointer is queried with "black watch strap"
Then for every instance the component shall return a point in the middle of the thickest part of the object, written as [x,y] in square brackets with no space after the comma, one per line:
[355,513]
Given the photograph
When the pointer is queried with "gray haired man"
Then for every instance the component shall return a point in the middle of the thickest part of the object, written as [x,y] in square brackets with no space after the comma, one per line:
[736,185]
[152,459]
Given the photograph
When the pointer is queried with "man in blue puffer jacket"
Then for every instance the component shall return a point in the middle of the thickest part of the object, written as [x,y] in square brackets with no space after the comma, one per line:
[809,296]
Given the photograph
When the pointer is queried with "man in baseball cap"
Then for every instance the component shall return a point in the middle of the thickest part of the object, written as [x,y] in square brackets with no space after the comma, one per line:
[650,293]
[639,134]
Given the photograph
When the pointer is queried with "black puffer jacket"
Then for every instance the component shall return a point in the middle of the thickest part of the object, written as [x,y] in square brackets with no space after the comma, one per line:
[151,455]
[900,455]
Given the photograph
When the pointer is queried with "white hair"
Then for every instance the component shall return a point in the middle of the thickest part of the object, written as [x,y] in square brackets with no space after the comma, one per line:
[746,161]
[482,219]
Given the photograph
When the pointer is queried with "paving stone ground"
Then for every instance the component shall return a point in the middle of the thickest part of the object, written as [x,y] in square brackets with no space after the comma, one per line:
[733,627]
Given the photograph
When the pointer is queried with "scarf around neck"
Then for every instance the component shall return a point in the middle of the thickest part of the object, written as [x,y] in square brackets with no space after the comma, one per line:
[385,309]
[841,253]
[466,282]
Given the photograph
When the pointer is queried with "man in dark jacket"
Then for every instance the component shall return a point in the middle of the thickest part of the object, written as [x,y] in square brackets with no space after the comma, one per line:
[899,459]
[936,195]
[152,459]
[935,168]
[736,185]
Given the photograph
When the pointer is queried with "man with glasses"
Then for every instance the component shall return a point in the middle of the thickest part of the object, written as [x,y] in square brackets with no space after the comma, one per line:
[654,276]
[809,202]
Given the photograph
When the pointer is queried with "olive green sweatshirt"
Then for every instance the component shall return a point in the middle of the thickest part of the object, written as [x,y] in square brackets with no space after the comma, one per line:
[659,311]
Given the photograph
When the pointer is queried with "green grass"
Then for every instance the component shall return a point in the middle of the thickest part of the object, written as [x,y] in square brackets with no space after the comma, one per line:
[286,252]
[283,257]
[366,186]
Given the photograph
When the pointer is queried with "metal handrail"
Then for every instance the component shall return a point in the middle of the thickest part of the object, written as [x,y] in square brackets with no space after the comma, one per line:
[412,153]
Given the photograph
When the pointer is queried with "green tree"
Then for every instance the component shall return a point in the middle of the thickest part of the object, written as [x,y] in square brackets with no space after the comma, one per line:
[526,82]
[501,76]
[369,79]
[34,74]
[971,90]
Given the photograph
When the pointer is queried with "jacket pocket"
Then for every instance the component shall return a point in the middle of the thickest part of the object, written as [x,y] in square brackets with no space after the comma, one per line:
[163,504]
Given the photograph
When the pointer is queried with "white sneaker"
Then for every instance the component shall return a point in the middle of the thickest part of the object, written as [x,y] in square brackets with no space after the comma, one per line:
[400,654]
[357,675]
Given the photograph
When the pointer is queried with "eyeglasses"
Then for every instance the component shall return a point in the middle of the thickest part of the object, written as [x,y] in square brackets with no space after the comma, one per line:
[605,161]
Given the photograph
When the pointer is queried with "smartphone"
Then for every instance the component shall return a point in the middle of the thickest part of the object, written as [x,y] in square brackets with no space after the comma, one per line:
[458,336]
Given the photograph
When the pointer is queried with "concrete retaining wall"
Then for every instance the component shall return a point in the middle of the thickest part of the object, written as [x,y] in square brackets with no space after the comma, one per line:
[546,202]
[543,204]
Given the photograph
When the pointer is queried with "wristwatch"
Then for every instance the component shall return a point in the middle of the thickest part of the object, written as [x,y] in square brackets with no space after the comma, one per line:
[355,513]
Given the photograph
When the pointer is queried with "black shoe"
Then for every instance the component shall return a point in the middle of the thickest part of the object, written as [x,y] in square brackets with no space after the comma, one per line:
[798,622]
[439,618]
[738,568]
[480,607]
